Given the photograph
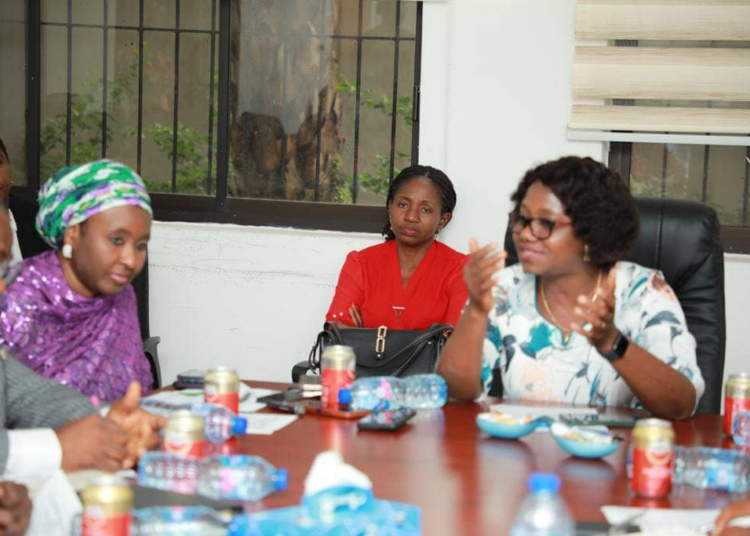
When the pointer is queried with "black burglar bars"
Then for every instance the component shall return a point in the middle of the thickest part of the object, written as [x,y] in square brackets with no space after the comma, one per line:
[139,141]
[358,104]
[69,97]
[35,22]
[360,39]
[394,108]
[218,106]
[176,96]
[321,74]
[33,92]
[105,42]
[209,171]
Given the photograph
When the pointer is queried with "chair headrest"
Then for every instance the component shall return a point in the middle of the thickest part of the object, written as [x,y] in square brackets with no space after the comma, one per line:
[677,237]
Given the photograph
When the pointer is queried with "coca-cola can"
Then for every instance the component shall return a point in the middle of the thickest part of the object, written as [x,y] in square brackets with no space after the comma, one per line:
[338,368]
[221,386]
[184,434]
[652,457]
[106,507]
[736,398]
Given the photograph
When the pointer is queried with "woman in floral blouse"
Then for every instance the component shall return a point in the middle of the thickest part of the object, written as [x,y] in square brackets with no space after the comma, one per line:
[573,322]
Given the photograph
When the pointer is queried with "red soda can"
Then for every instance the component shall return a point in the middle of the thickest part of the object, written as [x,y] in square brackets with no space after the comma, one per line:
[338,368]
[652,457]
[736,399]
[106,507]
[184,434]
[221,386]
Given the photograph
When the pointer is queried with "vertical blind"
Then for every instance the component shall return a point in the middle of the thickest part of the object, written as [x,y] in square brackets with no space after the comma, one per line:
[677,66]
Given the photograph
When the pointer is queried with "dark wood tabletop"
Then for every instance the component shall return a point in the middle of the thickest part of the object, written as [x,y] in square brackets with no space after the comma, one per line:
[464,481]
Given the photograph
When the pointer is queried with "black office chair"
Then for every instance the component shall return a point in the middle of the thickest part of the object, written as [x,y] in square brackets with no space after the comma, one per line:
[150,344]
[681,238]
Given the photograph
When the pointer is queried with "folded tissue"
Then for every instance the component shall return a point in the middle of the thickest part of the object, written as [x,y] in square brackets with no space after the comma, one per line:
[337,500]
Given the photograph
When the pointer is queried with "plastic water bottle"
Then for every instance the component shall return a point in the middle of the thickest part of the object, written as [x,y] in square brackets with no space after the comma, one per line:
[417,392]
[220,422]
[712,468]
[168,471]
[178,521]
[239,477]
[244,478]
[543,512]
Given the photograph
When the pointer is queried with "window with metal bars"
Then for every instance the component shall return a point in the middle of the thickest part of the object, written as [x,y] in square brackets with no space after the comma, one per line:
[278,112]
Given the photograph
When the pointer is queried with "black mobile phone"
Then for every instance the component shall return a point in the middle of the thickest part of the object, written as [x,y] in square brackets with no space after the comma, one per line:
[190,379]
[293,400]
[386,419]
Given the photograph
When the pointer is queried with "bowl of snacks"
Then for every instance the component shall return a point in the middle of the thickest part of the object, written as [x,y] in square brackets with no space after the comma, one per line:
[505,425]
[585,441]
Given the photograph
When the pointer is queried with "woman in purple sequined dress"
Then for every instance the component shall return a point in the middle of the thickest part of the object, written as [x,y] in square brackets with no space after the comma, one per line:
[70,314]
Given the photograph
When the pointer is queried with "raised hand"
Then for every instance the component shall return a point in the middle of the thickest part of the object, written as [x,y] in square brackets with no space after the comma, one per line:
[482,264]
[141,427]
[92,443]
[596,316]
[15,509]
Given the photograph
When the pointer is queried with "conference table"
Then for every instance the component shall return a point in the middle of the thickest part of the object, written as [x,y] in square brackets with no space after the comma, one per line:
[463,480]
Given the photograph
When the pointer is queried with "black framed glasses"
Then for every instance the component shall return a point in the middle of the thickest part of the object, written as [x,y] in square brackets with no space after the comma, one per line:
[541,228]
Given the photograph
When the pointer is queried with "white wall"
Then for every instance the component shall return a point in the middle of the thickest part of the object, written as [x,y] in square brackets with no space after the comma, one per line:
[496,99]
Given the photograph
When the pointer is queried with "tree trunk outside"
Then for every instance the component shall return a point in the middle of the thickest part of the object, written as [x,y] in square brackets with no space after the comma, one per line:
[284,101]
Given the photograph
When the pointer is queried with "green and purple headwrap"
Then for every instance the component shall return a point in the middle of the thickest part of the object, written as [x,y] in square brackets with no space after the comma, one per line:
[77,193]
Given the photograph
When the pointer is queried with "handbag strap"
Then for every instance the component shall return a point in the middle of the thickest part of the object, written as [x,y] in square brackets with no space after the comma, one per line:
[329,336]
[417,344]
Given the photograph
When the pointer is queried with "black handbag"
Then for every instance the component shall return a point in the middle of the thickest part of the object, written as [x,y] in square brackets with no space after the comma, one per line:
[383,351]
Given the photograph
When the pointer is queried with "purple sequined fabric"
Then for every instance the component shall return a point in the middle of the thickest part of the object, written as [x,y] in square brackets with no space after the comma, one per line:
[92,344]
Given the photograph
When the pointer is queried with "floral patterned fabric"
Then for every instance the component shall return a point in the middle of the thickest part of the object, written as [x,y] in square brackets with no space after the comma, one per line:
[536,364]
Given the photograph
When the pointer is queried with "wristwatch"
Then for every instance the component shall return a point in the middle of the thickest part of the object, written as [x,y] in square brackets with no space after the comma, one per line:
[619,347]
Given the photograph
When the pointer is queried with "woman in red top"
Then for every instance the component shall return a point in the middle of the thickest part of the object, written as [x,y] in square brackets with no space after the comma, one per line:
[411,281]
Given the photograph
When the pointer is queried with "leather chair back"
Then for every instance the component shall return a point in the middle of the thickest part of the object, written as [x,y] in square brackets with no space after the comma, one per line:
[682,239]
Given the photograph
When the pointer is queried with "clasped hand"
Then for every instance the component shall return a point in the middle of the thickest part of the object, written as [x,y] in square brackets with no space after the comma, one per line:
[596,316]
[111,443]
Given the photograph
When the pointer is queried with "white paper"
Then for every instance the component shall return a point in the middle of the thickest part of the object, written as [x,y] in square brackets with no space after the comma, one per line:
[658,520]
[522,410]
[55,506]
[266,423]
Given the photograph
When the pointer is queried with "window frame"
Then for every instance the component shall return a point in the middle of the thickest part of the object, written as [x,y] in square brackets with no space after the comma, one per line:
[220,208]
[734,239]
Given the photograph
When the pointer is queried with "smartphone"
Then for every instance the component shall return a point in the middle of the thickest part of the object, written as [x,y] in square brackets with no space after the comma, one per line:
[615,420]
[293,400]
[190,379]
[386,419]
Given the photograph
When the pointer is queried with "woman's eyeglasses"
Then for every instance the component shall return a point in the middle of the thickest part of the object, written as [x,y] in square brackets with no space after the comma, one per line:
[541,228]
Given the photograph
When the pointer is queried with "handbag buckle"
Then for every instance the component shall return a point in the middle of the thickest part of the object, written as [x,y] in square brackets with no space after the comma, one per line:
[380,341]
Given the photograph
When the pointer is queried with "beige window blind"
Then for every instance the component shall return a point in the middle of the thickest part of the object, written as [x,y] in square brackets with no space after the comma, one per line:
[680,67]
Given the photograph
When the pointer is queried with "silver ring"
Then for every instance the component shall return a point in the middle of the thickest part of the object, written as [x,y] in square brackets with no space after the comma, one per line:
[586,326]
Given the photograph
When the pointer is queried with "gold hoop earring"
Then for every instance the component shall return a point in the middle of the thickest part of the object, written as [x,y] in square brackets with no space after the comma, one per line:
[586,256]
